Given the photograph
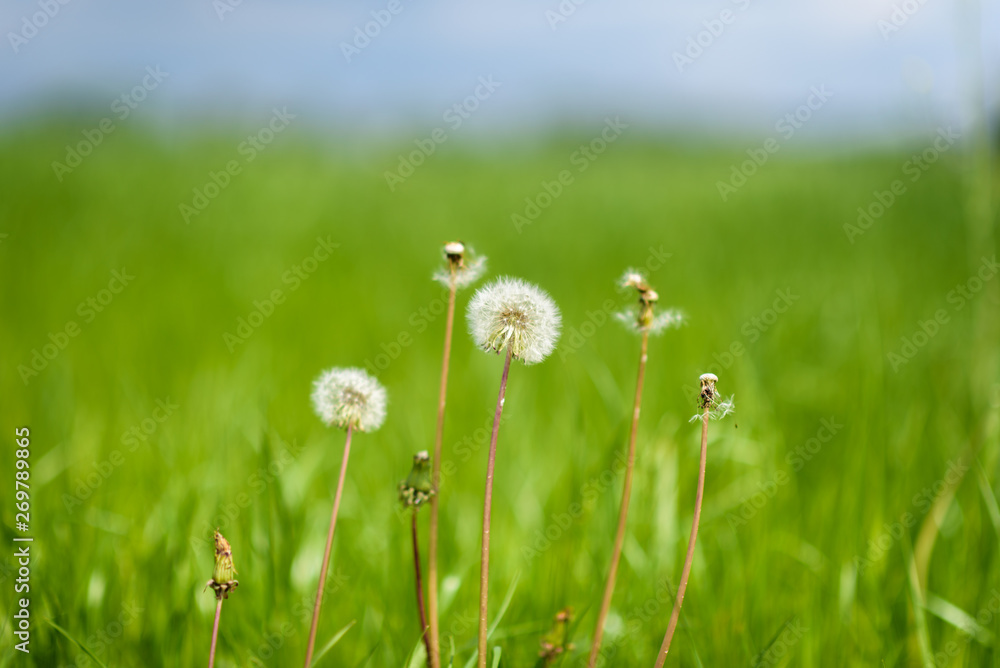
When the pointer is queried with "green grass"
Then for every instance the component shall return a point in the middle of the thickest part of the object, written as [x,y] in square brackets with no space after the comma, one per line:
[131,559]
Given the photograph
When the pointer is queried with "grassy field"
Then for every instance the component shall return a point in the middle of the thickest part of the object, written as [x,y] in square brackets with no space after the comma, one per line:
[850,513]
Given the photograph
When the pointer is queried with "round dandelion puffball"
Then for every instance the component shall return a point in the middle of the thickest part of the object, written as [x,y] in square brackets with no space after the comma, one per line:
[512,314]
[343,397]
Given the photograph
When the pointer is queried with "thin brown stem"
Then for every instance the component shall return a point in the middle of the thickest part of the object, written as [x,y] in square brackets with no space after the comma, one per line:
[686,571]
[432,547]
[484,573]
[420,588]
[609,587]
[215,632]
[329,545]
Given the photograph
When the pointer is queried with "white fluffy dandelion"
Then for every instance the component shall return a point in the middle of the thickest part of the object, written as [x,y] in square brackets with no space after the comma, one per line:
[511,314]
[345,397]
[351,399]
[463,261]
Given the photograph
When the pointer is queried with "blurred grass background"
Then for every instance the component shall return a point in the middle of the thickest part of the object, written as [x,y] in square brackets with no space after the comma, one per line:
[243,450]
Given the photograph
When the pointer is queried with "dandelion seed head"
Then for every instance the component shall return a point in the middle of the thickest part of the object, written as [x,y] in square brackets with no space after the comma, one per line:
[461,259]
[709,399]
[510,313]
[418,488]
[643,317]
[345,397]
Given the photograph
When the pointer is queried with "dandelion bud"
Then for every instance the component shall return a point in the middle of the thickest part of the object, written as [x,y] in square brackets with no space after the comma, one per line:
[463,263]
[417,489]
[511,314]
[223,580]
[349,398]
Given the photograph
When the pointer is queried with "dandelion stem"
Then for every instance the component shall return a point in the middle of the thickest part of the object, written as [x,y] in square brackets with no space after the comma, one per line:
[433,654]
[484,574]
[686,571]
[215,632]
[329,545]
[609,587]
[420,588]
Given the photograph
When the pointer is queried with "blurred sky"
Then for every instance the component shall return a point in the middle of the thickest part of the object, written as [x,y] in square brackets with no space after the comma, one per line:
[232,60]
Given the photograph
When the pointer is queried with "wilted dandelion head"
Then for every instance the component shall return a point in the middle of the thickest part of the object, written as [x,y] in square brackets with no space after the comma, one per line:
[345,397]
[710,399]
[511,314]
[417,489]
[643,316]
[463,262]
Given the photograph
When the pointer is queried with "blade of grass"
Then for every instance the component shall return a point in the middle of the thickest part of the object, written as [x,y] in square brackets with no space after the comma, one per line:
[77,642]
[496,656]
[333,641]
[958,618]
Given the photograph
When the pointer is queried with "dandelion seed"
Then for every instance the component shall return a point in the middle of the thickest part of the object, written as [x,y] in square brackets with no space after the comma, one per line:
[511,314]
[463,262]
[345,397]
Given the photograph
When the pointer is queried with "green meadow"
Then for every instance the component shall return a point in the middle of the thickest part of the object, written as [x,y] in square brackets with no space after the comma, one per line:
[162,360]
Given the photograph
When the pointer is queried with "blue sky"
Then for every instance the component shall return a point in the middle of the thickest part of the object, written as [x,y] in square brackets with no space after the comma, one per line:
[895,69]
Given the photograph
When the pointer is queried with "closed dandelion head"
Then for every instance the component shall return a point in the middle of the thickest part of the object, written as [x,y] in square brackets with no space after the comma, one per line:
[710,399]
[511,314]
[417,489]
[462,262]
[349,397]
[644,316]
[223,576]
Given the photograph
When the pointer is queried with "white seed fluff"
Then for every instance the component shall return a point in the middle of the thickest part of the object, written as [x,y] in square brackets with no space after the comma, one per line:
[663,320]
[472,269]
[513,314]
[349,396]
